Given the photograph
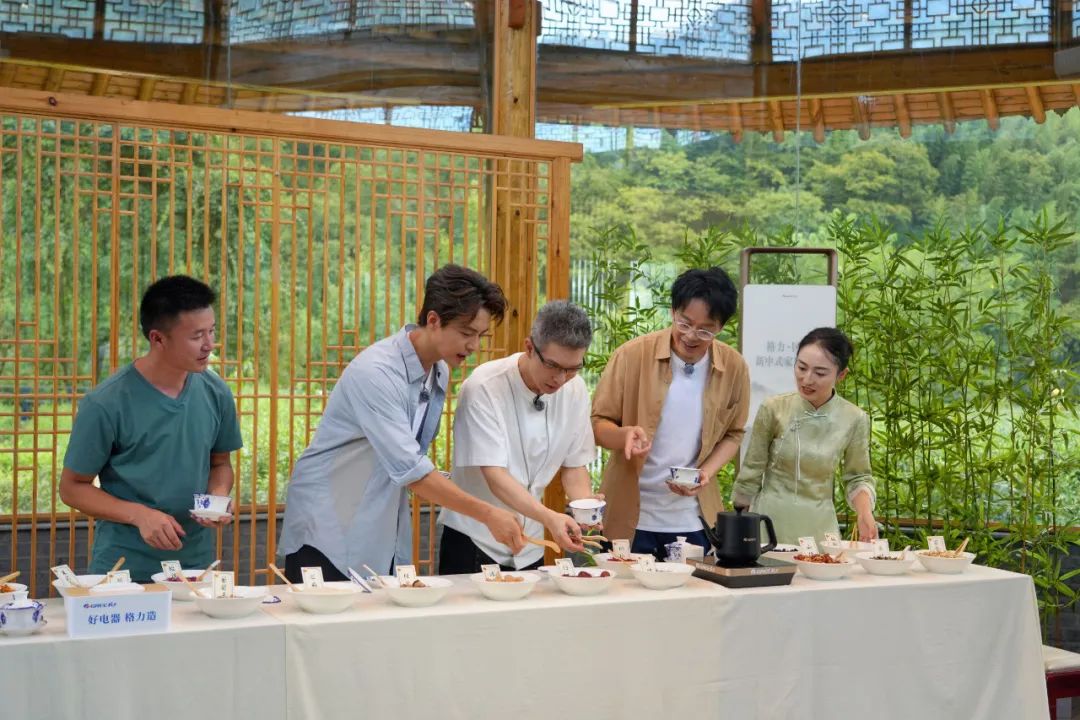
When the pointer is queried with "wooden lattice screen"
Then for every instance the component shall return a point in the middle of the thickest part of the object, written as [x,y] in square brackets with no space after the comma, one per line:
[317,235]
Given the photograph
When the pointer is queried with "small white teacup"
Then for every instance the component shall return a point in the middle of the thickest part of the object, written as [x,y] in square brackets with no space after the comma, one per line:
[213,503]
[684,476]
[21,616]
[588,511]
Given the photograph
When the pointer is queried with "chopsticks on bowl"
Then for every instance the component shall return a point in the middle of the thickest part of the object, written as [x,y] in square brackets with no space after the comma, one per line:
[378,577]
[282,576]
[191,586]
[209,567]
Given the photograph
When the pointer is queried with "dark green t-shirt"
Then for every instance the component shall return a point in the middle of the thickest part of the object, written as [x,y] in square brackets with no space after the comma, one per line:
[149,448]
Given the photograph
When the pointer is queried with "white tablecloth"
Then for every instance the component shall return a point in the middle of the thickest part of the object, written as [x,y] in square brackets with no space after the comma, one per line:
[916,647]
[921,646]
[201,668]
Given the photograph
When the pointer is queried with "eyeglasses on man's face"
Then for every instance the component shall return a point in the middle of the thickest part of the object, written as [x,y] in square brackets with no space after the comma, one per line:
[687,329]
[554,366]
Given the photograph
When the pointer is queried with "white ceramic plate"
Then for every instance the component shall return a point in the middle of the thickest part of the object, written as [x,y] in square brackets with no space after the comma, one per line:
[506,590]
[210,515]
[663,576]
[180,590]
[620,569]
[250,597]
[9,596]
[583,586]
[885,567]
[825,571]
[782,552]
[335,597]
[86,580]
[945,565]
[436,590]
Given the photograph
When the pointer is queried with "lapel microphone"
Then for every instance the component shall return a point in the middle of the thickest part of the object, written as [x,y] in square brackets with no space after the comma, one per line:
[537,403]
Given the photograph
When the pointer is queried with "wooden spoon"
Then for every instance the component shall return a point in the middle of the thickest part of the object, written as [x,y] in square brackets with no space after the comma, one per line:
[117,566]
[282,576]
[960,550]
[191,586]
[545,543]
[209,567]
[9,577]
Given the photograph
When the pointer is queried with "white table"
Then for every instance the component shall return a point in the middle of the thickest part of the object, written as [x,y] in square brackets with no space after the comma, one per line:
[916,647]
[922,646]
[237,665]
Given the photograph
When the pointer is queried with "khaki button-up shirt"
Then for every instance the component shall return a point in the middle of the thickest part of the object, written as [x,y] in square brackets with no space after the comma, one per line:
[632,390]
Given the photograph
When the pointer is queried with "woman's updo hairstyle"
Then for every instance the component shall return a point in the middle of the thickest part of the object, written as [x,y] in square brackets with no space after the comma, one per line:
[832,341]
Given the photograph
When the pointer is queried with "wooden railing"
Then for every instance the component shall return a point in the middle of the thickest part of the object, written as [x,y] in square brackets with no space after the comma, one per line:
[317,235]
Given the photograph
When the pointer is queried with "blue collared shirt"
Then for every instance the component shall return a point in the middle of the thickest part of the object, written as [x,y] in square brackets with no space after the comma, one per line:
[347,496]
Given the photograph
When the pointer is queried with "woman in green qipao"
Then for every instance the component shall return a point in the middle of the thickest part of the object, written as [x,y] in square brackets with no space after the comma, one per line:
[798,441]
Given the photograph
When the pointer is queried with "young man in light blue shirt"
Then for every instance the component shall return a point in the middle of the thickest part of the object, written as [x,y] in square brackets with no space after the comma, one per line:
[347,502]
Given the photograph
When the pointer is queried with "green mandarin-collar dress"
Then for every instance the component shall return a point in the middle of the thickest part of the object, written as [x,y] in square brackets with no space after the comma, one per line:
[791,461]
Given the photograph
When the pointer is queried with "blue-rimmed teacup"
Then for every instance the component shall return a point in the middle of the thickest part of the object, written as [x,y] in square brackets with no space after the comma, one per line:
[21,616]
[588,511]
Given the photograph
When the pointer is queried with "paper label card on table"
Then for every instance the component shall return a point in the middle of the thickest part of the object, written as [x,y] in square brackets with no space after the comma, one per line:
[406,574]
[222,582]
[831,538]
[881,545]
[491,572]
[564,566]
[66,575]
[935,543]
[620,549]
[647,562]
[171,568]
[313,577]
[808,546]
[118,576]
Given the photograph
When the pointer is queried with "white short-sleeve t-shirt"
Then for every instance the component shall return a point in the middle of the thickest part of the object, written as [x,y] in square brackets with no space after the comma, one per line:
[496,424]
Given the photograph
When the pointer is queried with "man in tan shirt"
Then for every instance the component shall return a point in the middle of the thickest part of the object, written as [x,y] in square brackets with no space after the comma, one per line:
[676,397]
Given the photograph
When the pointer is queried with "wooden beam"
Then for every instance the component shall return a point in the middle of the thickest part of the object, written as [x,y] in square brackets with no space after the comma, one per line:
[858,111]
[100,84]
[514,78]
[817,118]
[146,89]
[54,80]
[990,109]
[1076,93]
[903,117]
[736,121]
[1038,112]
[188,94]
[776,120]
[948,114]
[7,73]
[761,32]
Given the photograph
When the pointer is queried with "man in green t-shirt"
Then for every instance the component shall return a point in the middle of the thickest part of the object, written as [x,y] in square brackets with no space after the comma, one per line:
[155,433]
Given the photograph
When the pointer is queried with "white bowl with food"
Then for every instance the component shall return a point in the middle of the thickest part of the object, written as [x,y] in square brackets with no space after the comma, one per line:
[430,591]
[782,552]
[821,569]
[8,590]
[332,597]
[885,563]
[584,581]
[663,576]
[620,568]
[244,601]
[86,581]
[850,548]
[180,590]
[942,561]
[511,586]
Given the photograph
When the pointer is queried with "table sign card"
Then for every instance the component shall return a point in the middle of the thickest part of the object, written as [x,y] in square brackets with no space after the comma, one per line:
[406,575]
[647,562]
[620,549]
[564,566]
[831,538]
[312,577]
[171,568]
[66,575]
[117,614]
[118,576]
[881,545]
[935,543]
[491,572]
[221,582]
[808,546]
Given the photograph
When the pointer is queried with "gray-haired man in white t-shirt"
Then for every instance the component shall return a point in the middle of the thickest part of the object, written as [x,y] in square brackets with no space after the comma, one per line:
[519,420]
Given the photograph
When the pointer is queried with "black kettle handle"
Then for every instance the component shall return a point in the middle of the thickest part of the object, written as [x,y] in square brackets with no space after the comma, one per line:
[772,533]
